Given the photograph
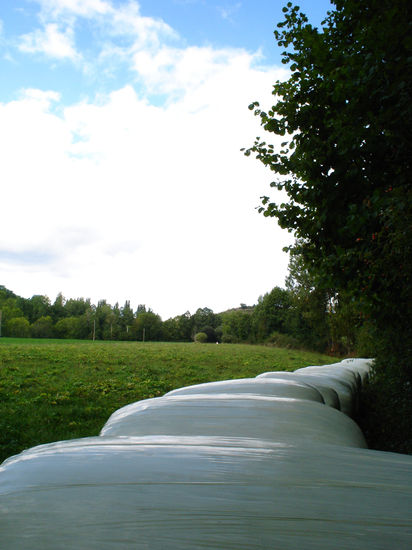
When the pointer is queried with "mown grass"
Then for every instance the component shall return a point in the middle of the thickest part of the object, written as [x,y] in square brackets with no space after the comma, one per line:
[60,389]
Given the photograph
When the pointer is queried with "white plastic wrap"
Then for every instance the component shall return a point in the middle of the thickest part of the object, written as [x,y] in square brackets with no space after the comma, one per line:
[236,415]
[345,378]
[345,389]
[275,388]
[238,470]
[204,493]
[361,366]
[345,375]
[329,395]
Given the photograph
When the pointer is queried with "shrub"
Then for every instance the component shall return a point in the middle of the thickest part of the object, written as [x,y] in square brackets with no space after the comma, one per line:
[228,338]
[70,327]
[18,327]
[43,327]
[201,338]
[280,340]
[210,333]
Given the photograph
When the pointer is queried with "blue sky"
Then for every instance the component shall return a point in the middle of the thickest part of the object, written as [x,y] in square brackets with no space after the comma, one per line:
[120,129]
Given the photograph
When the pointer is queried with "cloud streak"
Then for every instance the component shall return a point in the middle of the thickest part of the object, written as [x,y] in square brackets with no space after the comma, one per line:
[50,41]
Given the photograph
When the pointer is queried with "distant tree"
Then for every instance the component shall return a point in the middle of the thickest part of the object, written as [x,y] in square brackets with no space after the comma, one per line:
[76,307]
[171,330]
[43,327]
[219,333]
[210,333]
[86,324]
[204,317]
[6,293]
[272,313]
[200,338]
[126,321]
[185,326]
[113,329]
[310,320]
[9,304]
[345,322]
[147,326]
[237,326]
[10,310]
[57,309]
[103,319]
[69,327]
[18,327]
[38,306]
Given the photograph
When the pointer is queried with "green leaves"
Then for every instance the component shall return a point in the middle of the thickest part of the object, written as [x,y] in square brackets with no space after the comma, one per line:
[347,112]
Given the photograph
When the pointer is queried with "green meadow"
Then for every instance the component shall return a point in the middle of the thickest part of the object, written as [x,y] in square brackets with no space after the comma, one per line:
[62,389]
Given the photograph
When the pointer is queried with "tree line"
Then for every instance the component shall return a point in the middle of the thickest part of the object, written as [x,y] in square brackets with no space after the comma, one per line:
[298,316]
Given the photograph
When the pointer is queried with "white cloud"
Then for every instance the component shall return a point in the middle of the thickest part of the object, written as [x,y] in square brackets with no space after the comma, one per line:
[150,203]
[51,42]
[227,12]
[43,98]
[124,19]
[147,31]
[172,69]
[119,198]
[82,8]
[117,30]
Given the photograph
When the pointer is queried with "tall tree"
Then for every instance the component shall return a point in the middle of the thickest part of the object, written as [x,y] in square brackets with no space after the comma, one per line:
[126,320]
[147,326]
[185,326]
[57,309]
[43,327]
[103,320]
[272,313]
[311,307]
[18,327]
[76,307]
[237,326]
[345,162]
[70,327]
[38,306]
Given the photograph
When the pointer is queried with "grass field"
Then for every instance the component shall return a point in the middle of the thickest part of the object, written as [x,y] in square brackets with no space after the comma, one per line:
[60,389]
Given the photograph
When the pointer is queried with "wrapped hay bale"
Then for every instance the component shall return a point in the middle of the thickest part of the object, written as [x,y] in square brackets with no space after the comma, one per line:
[236,415]
[362,366]
[329,395]
[253,386]
[182,493]
[343,382]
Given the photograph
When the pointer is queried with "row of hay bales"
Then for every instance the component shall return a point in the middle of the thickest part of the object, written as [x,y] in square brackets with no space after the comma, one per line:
[273,462]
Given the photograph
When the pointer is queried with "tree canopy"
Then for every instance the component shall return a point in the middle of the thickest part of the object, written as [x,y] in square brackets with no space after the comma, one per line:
[345,161]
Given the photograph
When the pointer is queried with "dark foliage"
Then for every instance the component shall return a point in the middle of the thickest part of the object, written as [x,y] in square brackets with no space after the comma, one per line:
[345,164]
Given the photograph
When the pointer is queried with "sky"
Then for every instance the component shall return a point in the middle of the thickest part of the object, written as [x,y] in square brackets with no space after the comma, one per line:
[121,124]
